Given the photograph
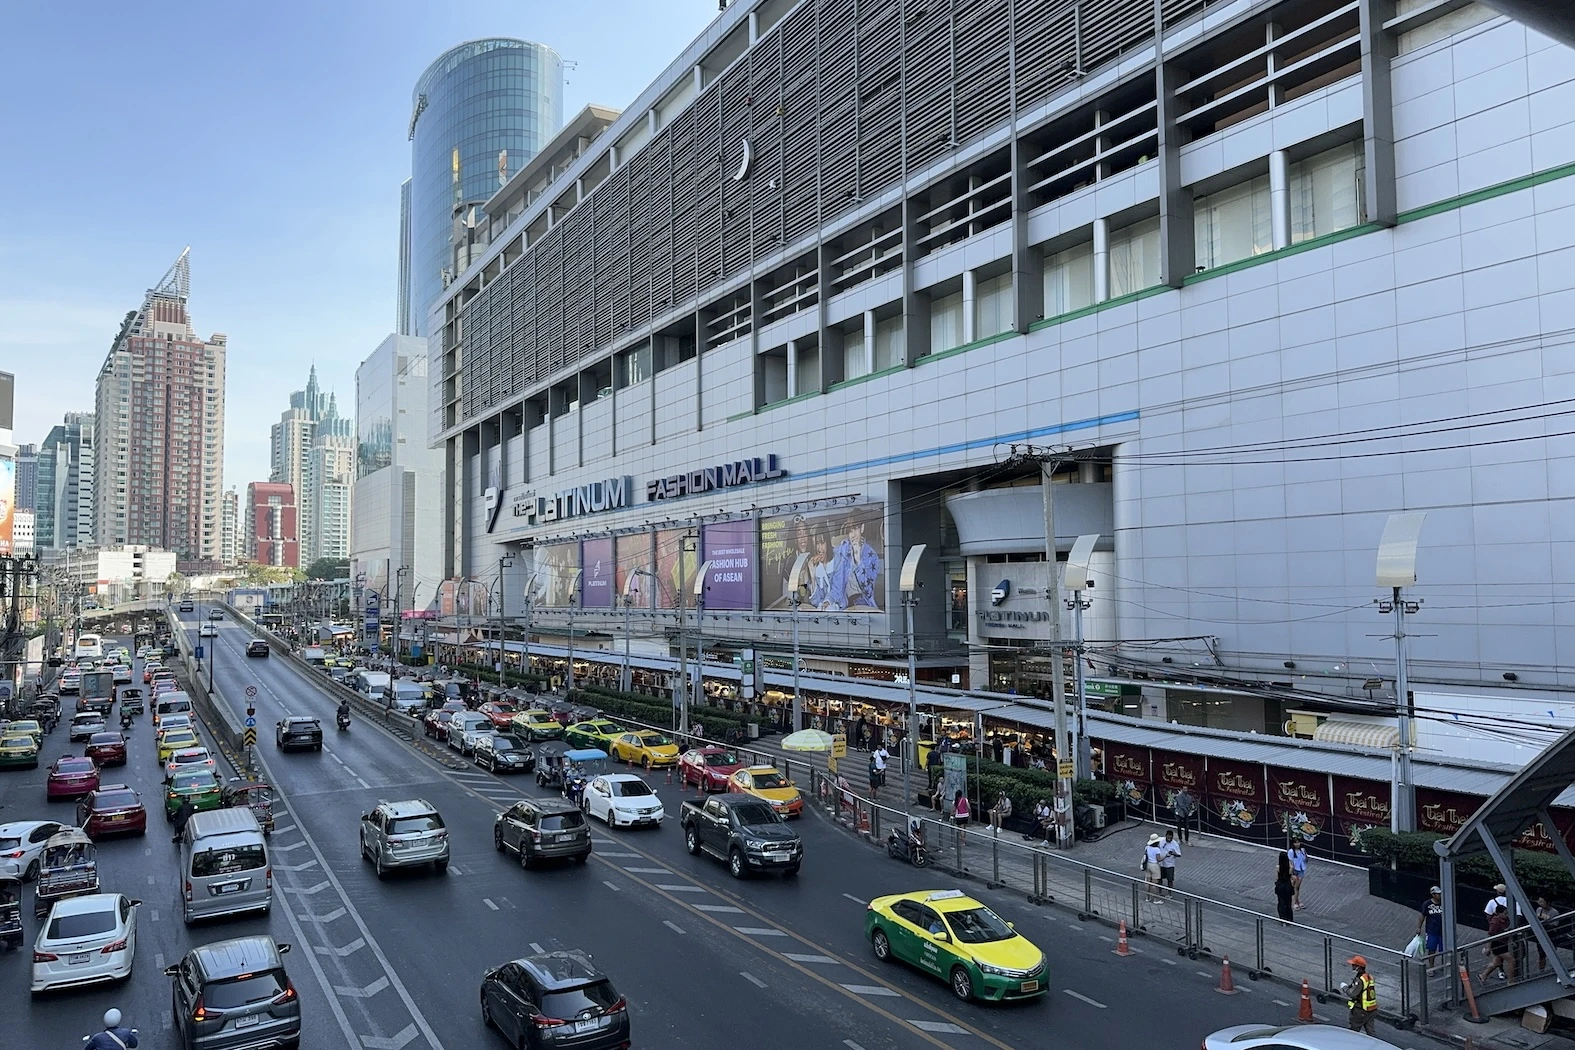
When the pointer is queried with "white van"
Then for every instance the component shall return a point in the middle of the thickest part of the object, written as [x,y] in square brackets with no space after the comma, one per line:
[410,696]
[374,685]
[225,868]
[176,703]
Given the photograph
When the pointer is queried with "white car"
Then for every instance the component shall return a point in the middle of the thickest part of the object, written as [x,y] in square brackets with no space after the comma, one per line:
[466,728]
[208,630]
[1293,1037]
[86,940]
[189,758]
[623,800]
[122,673]
[70,682]
[20,844]
[84,724]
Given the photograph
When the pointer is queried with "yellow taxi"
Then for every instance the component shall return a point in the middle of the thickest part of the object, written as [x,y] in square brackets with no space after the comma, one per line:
[537,724]
[948,934]
[18,750]
[645,746]
[768,783]
[30,726]
[174,740]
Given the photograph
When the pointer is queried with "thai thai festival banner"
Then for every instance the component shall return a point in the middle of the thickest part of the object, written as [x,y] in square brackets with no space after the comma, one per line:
[730,564]
[1359,806]
[1235,798]
[1172,772]
[1299,804]
[596,583]
[846,568]
[1127,766]
[556,568]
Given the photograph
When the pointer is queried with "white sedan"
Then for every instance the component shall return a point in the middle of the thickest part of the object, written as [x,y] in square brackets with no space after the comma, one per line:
[186,759]
[86,940]
[20,844]
[623,799]
[122,674]
[1293,1037]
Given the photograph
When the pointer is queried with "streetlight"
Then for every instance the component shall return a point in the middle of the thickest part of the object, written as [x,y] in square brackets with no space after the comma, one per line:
[700,575]
[909,584]
[574,596]
[1397,570]
[531,583]
[505,560]
[399,587]
[1075,579]
[629,593]
[797,591]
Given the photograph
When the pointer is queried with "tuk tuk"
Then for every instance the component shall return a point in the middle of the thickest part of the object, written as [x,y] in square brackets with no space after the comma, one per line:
[131,702]
[551,763]
[580,766]
[253,795]
[68,867]
[10,912]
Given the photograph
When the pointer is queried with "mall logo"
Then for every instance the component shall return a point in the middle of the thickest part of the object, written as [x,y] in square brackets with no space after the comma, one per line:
[576,502]
[708,479]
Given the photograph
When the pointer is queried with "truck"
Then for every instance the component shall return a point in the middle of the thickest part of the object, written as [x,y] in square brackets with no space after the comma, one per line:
[97,691]
[743,831]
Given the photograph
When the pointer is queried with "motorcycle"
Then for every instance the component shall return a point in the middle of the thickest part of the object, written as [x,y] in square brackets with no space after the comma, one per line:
[125,721]
[89,1038]
[908,847]
[343,721]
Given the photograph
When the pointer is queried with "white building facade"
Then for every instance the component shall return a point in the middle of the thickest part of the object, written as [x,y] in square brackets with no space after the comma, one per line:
[1251,286]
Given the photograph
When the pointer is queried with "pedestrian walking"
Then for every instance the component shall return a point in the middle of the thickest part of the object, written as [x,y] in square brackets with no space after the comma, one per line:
[1500,899]
[183,814]
[1361,997]
[1185,807]
[1430,925]
[880,756]
[875,779]
[1297,855]
[960,810]
[1001,811]
[1152,854]
[1169,850]
[1548,916]
[1284,890]
[1498,955]
[858,734]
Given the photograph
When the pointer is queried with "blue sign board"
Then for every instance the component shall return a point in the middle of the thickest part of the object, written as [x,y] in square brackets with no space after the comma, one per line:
[374,614]
[251,723]
[198,652]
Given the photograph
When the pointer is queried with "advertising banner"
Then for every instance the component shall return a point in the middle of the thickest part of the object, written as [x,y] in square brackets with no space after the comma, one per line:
[845,570]
[555,565]
[597,582]
[1127,766]
[729,548]
[446,600]
[1299,803]
[1172,772]
[633,554]
[1359,806]
[1235,792]
[677,561]
[7,503]
[1444,811]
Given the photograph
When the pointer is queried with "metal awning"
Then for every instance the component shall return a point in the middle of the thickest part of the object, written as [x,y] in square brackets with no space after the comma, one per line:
[1360,734]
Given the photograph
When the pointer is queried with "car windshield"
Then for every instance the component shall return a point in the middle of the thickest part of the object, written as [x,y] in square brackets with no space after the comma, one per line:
[978,926]
[588,1001]
[506,743]
[244,991]
[504,709]
[726,758]
[756,813]
[561,821]
[654,740]
[86,718]
[771,779]
[17,741]
[629,788]
[415,825]
[194,780]
[606,727]
[228,860]
[106,738]
[304,725]
[75,765]
[114,800]
[82,924]
[182,758]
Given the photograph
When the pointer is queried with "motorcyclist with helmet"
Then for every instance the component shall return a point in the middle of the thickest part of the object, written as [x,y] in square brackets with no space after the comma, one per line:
[113,1037]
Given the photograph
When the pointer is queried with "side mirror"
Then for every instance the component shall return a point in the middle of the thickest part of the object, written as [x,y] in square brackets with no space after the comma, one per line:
[1011,925]
[169,971]
[136,903]
[284,949]
[366,816]
[944,938]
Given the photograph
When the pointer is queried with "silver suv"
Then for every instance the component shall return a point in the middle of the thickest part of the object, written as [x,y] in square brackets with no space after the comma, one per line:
[235,993]
[404,834]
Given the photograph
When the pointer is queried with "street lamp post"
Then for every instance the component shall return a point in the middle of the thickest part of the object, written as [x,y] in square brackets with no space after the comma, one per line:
[629,593]
[683,713]
[530,605]
[909,585]
[504,561]
[1075,580]
[1397,570]
[796,593]
[399,592]
[574,597]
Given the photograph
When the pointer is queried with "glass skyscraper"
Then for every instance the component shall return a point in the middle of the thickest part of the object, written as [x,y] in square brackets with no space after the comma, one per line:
[479,113]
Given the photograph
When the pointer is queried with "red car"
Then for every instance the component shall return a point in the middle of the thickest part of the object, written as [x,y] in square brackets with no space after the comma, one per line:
[71,777]
[436,722]
[106,749]
[500,713]
[709,767]
[114,809]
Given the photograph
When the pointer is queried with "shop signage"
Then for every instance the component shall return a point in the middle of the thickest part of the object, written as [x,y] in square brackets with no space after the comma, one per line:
[1097,688]
[708,479]
[594,498]
[1013,616]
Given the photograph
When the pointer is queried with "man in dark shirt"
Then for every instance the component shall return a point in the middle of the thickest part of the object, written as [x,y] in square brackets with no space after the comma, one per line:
[1430,925]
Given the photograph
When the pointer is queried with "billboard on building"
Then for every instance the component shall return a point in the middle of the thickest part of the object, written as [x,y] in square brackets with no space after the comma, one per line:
[556,580]
[729,555]
[846,569]
[7,504]
[633,554]
[677,560]
[596,584]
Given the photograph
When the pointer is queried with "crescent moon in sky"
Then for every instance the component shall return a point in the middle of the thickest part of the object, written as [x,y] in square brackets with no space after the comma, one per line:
[743,166]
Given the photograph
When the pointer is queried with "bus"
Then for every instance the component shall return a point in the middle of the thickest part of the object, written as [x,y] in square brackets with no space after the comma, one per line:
[89,647]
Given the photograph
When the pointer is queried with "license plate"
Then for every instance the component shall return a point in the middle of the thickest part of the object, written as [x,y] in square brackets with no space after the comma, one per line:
[247,1021]
[228,887]
[1030,986]
[78,957]
[587,1026]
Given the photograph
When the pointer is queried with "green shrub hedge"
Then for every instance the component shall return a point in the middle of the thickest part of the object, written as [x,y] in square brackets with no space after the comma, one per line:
[657,711]
[1540,874]
[1025,787]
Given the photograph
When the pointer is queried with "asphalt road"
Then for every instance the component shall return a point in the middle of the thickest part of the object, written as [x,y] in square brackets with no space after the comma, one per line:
[704,960]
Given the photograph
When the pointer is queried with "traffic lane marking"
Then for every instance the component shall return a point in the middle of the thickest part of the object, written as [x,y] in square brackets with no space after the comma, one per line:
[751,978]
[1083,998]
[671,925]
[822,959]
[872,989]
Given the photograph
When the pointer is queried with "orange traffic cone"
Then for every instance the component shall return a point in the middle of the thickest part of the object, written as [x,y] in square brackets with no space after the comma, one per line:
[1304,1012]
[1227,986]
[1122,948]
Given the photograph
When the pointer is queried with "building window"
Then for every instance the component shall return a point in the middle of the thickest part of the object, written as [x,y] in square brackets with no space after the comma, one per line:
[992,306]
[1069,280]
[807,380]
[946,327]
[1234,224]
[1327,193]
[1134,257]
[855,355]
[634,366]
[889,344]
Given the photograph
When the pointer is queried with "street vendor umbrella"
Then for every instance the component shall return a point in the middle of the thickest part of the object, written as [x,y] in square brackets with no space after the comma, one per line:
[807,740]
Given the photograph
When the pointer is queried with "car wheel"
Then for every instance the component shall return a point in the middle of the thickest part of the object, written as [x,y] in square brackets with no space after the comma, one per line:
[646,762]
[524,856]
[790,872]
[962,984]
[319,747]
[32,871]
[486,1015]
[364,854]
[440,867]
[377,863]
[735,864]
[881,945]
[497,841]
[692,842]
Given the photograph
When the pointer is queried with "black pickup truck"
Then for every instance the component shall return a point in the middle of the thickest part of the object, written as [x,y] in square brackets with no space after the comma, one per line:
[742,830]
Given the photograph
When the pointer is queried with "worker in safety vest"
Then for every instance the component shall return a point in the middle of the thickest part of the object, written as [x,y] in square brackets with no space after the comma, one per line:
[1361,997]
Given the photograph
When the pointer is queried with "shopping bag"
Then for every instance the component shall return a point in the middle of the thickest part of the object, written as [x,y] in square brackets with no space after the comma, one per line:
[1417,947]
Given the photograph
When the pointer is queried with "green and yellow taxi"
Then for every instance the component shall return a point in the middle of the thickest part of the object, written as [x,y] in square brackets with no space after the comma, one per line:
[598,733]
[18,750]
[198,785]
[645,747]
[176,739]
[30,726]
[949,935]
[537,724]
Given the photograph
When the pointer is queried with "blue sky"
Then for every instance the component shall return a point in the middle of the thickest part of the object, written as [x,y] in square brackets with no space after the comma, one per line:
[271,138]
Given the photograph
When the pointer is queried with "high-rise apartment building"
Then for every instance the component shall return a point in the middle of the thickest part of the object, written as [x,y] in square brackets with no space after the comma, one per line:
[63,491]
[160,429]
[272,525]
[478,114]
[26,476]
[229,527]
[23,539]
[312,446]
[404,321]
